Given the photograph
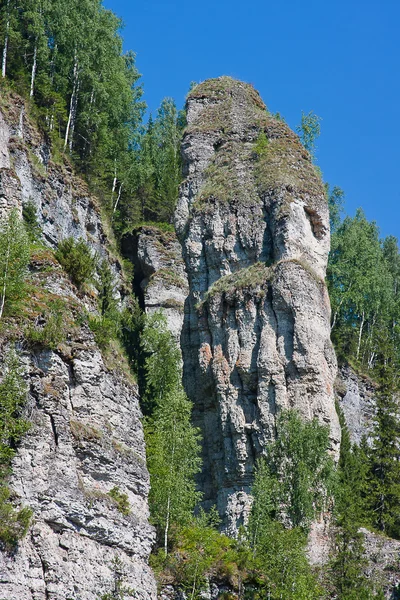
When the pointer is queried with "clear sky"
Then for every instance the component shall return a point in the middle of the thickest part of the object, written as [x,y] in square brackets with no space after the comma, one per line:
[338,58]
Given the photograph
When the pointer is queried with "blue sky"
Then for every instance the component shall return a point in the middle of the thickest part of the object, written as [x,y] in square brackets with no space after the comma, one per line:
[338,58]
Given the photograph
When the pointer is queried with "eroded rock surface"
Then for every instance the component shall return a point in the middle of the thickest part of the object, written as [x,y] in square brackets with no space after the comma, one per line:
[159,273]
[65,207]
[252,218]
[357,398]
[85,447]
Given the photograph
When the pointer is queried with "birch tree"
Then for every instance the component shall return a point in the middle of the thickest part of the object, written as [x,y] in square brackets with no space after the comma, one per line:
[14,260]
[173,444]
[173,459]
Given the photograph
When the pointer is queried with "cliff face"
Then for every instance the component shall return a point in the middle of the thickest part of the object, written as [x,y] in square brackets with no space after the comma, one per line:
[160,279]
[86,438]
[358,402]
[252,218]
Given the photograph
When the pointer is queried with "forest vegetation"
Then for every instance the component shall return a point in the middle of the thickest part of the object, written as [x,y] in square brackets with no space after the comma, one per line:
[84,93]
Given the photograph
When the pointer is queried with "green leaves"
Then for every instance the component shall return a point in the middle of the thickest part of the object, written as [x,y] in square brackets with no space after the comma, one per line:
[77,259]
[292,485]
[14,260]
[173,444]
[364,296]
[294,481]
[309,130]
[13,393]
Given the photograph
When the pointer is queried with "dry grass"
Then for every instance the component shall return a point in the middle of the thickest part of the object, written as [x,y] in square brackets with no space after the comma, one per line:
[249,278]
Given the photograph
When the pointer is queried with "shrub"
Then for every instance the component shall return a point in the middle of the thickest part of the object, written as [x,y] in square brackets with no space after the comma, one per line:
[52,333]
[14,523]
[32,226]
[120,499]
[77,259]
[14,260]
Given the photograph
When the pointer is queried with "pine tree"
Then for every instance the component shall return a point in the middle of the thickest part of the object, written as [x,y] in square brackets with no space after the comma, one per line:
[384,491]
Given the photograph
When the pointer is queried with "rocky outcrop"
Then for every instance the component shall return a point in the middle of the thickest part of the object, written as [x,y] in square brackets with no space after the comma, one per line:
[357,400]
[160,280]
[252,218]
[81,467]
[28,173]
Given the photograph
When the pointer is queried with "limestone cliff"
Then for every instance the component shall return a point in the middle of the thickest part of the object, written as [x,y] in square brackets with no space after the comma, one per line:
[86,437]
[252,219]
[160,280]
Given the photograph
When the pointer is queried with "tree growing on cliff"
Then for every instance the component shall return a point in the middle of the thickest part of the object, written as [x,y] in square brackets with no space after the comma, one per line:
[173,449]
[14,260]
[173,444]
[309,130]
[384,455]
[13,523]
[292,485]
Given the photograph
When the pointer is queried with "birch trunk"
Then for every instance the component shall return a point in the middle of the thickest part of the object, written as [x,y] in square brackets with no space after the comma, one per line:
[4,290]
[360,334]
[117,201]
[5,47]
[34,67]
[72,106]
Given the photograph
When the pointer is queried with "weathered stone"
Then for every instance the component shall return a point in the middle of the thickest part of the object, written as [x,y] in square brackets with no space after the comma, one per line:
[253,221]
[86,437]
[159,273]
[358,402]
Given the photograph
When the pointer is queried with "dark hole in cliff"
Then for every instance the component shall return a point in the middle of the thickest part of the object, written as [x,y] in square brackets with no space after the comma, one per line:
[54,429]
[129,249]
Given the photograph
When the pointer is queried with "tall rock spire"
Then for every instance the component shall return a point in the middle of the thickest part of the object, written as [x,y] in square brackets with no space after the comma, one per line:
[253,221]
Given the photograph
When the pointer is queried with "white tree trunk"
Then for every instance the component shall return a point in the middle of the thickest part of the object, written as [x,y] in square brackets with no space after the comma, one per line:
[360,334]
[72,106]
[5,47]
[34,67]
[117,201]
[4,290]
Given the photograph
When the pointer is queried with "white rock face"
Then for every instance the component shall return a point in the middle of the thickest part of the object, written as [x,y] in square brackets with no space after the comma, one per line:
[64,205]
[86,437]
[159,273]
[254,229]
[357,399]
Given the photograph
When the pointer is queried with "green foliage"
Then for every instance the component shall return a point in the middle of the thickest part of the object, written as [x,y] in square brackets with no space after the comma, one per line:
[32,226]
[119,590]
[295,479]
[199,550]
[173,449]
[280,565]
[162,362]
[335,204]
[77,259]
[292,485]
[152,176]
[14,260]
[384,457]
[173,444]
[50,329]
[348,563]
[107,326]
[12,400]
[121,500]
[261,145]
[309,130]
[364,296]
[13,523]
